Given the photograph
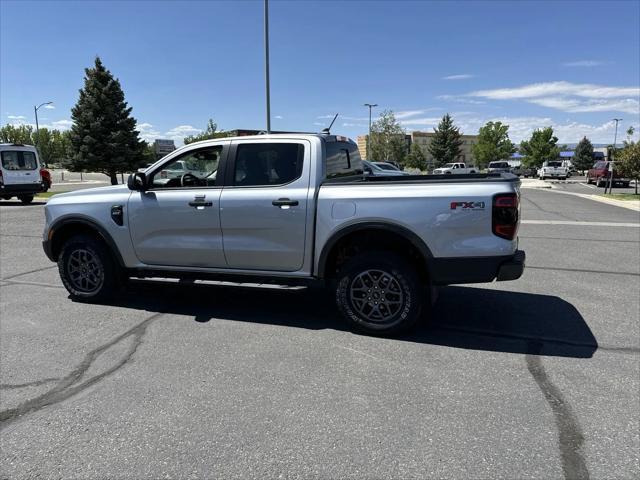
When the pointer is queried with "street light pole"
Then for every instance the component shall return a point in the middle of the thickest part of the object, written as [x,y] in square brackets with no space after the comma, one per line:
[266,62]
[615,140]
[35,111]
[370,105]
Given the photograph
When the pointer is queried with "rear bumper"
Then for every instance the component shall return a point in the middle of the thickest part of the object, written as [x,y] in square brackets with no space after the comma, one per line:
[21,189]
[447,271]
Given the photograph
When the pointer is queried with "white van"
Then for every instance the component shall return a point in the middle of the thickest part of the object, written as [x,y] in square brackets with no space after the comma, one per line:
[19,172]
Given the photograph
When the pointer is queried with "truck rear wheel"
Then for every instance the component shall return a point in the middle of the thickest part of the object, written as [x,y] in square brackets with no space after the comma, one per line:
[26,199]
[87,269]
[379,293]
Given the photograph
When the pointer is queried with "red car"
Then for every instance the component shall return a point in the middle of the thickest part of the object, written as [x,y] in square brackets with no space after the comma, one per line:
[45,175]
[599,174]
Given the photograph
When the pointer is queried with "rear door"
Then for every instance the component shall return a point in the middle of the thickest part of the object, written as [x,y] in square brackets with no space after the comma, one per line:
[263,207]
[177,221]
[19,167]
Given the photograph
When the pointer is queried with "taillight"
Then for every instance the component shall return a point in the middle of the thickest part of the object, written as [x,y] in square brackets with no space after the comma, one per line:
[505,215]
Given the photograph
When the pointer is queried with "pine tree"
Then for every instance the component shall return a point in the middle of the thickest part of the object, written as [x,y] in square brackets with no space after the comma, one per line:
[416,158]
[104,136]
[445,146]
[583,156]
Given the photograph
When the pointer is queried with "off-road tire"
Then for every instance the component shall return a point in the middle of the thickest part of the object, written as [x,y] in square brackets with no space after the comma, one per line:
[398,281]
[87,269]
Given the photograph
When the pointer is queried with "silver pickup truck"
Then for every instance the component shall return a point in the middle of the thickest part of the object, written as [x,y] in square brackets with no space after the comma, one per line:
[291,209]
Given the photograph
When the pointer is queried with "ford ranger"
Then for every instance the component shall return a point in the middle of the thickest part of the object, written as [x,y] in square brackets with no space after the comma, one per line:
[290,209]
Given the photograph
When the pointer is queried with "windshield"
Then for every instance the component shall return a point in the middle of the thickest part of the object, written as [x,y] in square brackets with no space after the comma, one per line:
[554,164]
[448,165]
[498,165]
[386,166]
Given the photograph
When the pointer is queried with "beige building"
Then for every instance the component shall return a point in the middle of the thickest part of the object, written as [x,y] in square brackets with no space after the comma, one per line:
[423,139]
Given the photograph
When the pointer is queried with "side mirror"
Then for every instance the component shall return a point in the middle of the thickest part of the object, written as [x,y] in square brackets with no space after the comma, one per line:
[137,181]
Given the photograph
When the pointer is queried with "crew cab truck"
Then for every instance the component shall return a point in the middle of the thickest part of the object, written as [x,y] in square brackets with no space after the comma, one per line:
[600,174]
[291,209]
[454,168]
[553,169]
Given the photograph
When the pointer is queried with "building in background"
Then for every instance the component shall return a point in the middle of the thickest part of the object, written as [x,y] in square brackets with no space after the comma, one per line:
[163,147]
[423,140]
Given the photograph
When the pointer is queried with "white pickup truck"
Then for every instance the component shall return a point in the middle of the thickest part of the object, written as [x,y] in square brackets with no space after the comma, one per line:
[454,168]
[291,209]
[553,169]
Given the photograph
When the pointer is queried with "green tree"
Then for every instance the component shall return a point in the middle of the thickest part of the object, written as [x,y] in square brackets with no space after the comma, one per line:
[387,142]
[541,147]
[210,133]
[445,146]
[416,158]
[493,144]
[583,157]
[104,136]
[17,134]
[628,161]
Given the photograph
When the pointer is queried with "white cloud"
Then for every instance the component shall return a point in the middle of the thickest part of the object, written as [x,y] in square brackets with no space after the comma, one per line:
[62,124]
[16,117]
[409,113]
[457,99]
[427,122]
[585,90]
[521,128]
[583,63]
[50,107]
[463,76]
[319,123]
[566,104]
[147,132]
[278,117]
[354,125]
[178,133]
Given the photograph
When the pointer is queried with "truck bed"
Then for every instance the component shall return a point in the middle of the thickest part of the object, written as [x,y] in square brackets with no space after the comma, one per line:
[414,179]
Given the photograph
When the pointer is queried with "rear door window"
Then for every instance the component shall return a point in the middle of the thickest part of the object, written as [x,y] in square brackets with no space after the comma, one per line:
[19,160]
[267,164]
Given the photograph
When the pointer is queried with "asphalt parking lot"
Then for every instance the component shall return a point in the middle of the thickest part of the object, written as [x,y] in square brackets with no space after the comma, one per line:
[537,378]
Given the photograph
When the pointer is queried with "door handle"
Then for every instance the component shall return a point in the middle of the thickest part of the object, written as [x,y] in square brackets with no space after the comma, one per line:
[200,203]
[284,202]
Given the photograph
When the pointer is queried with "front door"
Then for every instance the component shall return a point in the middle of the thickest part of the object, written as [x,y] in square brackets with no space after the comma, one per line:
[176,222]
[263,207]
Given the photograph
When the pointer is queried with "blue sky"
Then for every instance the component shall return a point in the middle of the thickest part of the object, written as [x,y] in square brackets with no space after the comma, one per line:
[572,65]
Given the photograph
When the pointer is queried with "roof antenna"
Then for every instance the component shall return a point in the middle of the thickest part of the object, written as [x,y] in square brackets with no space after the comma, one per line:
[327,130]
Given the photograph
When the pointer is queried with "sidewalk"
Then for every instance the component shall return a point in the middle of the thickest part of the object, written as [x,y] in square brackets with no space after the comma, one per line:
[534,183]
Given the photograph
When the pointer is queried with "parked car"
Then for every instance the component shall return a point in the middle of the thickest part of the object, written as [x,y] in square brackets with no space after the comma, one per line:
[454,168]
[292,209]
[553,169]
[517,170]
[387,166]
[371,168]
[499,167]
[599,174]
[45,175]
[19,172]
[529,172]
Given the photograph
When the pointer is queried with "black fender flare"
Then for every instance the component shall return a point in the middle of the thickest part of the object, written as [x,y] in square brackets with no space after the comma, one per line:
[404,232]
[86,222]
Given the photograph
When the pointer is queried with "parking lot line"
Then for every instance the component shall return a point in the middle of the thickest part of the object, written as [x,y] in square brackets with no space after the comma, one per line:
[577,222]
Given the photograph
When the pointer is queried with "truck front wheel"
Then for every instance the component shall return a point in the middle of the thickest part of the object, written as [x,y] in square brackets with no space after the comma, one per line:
[87,269]
[379,293]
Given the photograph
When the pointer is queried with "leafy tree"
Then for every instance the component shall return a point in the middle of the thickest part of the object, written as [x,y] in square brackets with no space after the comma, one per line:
[541,147]
[493,144]
[17,134]
[104,136]
[628,161]
[583,157]
[445,146]
[387,142]
[210,133]
[416,158]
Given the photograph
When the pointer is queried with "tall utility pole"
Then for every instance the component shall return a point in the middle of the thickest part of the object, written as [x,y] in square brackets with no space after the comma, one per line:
[370,105]
[266,62]
[35,110]
[611,165]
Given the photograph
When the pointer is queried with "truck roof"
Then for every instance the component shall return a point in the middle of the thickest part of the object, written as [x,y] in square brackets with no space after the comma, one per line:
[294,135]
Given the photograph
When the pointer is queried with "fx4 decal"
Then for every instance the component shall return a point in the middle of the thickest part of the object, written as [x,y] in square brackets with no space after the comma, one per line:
[467,205]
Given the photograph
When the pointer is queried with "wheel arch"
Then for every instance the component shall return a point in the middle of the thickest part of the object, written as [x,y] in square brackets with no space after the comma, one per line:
[372,234]
[66,227]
